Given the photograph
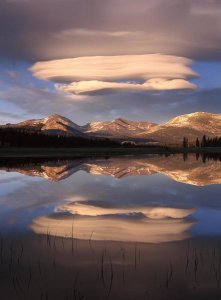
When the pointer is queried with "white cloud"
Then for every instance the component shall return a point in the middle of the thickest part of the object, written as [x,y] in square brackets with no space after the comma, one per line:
[153,84]
[123,72]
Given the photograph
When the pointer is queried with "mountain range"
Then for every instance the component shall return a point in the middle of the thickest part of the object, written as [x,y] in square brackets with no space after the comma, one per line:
[192,126]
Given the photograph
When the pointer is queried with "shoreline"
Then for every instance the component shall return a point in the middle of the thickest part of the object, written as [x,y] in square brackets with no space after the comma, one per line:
[96,152]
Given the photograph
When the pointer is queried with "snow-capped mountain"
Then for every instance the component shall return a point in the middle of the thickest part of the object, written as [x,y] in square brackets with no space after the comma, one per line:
[192,126]
[53,124]
[189,125]
[118,128]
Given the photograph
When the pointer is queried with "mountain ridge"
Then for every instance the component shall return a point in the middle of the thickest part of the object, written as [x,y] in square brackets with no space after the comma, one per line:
[118,127]
[192,126]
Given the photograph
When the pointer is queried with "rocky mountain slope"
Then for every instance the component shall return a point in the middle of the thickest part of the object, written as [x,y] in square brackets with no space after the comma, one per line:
[190,125]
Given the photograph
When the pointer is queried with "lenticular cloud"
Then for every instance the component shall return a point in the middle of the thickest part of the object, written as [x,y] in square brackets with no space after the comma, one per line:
[85,75]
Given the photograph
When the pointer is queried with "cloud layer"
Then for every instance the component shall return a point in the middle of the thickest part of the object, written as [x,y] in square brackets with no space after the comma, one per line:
[124,72]
[190,28]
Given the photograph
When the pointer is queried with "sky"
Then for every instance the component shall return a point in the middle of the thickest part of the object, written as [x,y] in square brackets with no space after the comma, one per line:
[96,60]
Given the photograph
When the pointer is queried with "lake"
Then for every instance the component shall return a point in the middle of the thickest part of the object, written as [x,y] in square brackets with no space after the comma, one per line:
[131,227]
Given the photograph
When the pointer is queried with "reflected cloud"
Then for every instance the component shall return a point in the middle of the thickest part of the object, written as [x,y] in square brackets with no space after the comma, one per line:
[84,208]
[148,225]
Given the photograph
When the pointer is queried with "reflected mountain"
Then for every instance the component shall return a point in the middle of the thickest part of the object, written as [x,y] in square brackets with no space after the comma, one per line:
[190,171]
[136,224]
[54,170]
[193,171]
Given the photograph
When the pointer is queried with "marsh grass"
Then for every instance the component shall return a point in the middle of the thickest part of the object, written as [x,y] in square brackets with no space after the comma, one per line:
[51,267]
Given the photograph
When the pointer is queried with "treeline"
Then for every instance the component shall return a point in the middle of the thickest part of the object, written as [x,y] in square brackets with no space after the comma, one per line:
[210,142]
[13,137]
[204,142]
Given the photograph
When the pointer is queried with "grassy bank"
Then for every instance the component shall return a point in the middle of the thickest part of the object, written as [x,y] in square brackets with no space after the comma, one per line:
[81,152]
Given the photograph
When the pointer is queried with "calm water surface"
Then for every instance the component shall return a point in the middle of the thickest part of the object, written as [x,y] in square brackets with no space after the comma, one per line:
[143,227]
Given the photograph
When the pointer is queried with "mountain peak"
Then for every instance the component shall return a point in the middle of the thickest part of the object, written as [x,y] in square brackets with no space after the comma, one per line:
[192,126]
[119,128]
[121,121]
[52,124]
[60,124]
[188,119]
[55,117]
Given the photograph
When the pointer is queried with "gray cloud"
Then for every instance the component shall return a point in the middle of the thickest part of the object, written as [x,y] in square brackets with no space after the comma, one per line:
[7,115]
[47,29]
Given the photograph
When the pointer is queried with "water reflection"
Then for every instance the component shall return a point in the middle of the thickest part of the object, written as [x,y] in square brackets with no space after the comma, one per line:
[153,225]
[117,198]
[192,169]
[146,227]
